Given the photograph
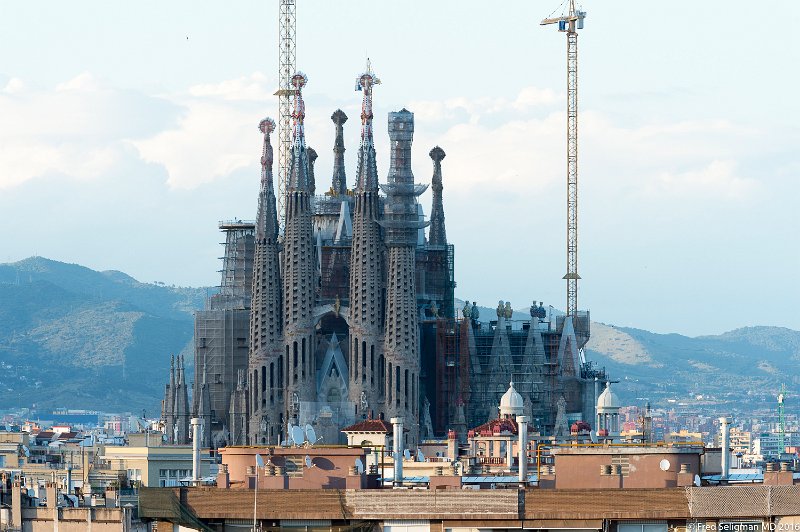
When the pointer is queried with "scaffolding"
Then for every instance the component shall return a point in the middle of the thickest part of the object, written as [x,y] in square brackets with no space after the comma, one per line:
[536,356]
[237,263]
[222,330]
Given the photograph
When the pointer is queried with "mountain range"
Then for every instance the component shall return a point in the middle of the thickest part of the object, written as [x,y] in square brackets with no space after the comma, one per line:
[77,338]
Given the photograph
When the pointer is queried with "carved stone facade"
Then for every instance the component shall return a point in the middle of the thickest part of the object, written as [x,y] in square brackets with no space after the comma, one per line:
[350,313]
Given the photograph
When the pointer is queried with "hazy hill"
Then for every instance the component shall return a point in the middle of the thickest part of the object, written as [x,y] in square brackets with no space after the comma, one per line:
[738,370]
[74,337]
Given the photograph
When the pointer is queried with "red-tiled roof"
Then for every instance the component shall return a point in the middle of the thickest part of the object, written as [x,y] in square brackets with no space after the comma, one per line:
[369,425]
[495,426]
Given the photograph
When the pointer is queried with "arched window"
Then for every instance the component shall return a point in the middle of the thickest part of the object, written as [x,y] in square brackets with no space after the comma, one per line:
[254,388]
[363,361]
[304,358]
[381,376]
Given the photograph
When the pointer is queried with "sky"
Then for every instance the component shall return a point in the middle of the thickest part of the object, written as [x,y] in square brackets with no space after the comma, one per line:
[127,131]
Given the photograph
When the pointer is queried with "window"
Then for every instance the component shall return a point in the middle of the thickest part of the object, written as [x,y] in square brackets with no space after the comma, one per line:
[652,526]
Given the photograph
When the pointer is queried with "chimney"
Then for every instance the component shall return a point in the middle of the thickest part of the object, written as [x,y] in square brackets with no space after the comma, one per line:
[522,424]
[16,505]
[51,491]
[397,426]
[223,477]
[111,497]
[726,465]
[195,449]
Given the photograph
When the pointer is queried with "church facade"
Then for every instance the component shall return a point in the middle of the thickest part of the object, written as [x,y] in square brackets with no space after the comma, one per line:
[351,308]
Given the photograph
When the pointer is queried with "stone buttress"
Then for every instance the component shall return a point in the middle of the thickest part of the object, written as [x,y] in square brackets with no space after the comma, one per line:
[299,269]
[265,381]
[402,224]
[366,365]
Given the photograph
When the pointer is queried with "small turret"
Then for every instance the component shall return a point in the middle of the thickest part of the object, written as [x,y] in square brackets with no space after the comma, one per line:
[437,236]
[339,184]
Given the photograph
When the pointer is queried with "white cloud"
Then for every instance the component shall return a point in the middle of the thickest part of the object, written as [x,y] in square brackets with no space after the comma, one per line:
[78,130]
[718,179]
[211,141]
[84,82]
[255,87]
[13,86]
[534,97]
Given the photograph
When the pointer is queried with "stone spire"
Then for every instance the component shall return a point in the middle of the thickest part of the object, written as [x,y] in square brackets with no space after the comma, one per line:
[299,269]
[181,408]
[298,168]
[238,412]
[204,408]
[367,364]
[339,184]
[367,175]
[267,218]
[500,361]
[168,407]
[266,324]
[401,222]
[437,235]
[312,183]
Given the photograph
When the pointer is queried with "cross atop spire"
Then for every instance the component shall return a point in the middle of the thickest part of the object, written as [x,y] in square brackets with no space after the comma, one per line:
[367,178]
[299,172]
[364,83]
[299,80]
[267,218]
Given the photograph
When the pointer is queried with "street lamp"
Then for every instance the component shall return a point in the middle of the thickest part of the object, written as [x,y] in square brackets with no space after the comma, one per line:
[263,426]
[259,464]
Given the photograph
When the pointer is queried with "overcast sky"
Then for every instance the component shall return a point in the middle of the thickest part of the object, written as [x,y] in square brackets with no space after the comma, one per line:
[128,130]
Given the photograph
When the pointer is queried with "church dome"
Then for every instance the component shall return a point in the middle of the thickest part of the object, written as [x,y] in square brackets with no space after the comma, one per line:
[607,399]
[511,404]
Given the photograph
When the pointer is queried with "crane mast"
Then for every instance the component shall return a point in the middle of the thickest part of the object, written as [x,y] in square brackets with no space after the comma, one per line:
[286,69]
[781,420]
[570,24]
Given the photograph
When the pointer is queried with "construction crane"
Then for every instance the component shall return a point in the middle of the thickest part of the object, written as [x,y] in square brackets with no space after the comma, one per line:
[781,419]
[570,24]
[287,65]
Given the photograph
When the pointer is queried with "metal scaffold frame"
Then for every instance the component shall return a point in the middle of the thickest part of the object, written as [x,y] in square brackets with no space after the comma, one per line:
[570,23]
[287,65]
[572,174]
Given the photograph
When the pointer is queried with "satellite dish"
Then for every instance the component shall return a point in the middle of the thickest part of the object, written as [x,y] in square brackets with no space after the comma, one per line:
[311,435]
[697,480]
[298,436]
[664,465]
[259,461]
[359,465]
[407,454]
[420,456]
[309,463]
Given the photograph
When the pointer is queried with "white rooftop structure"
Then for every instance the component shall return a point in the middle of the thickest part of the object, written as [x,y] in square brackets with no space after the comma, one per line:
[511,404]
